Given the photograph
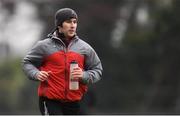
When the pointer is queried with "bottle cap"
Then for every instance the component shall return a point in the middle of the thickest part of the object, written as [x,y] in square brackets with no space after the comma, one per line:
[73,62]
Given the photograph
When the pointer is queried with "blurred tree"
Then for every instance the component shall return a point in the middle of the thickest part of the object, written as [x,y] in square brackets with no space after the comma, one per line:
[138,43]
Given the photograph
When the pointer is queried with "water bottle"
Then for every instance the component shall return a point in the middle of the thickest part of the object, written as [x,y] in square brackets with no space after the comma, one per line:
[73,83]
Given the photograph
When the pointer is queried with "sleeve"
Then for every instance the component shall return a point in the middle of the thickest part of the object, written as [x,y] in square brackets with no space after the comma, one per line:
[32,61]
[93,67]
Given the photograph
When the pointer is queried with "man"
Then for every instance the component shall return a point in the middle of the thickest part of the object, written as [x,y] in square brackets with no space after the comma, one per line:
[49,62]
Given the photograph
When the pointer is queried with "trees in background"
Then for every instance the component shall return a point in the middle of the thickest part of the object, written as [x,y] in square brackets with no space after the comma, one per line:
[138,43]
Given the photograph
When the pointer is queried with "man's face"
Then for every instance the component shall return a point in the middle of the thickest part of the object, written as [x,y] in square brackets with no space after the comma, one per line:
[69,28]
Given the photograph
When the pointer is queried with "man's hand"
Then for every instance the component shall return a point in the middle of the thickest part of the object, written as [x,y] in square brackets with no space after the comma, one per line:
[43,75]
[77,73]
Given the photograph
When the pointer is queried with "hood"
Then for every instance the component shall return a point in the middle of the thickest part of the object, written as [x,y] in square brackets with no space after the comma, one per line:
[54,36]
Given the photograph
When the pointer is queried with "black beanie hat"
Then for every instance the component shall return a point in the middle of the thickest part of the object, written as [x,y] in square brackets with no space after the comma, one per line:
[64,14]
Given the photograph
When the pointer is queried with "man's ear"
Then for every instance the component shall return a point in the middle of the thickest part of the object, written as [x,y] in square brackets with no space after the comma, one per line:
[59,28]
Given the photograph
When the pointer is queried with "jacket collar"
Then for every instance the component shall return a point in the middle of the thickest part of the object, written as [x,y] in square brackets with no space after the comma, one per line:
[54,36]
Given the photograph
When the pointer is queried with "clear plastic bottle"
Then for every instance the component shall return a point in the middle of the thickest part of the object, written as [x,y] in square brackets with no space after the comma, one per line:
[73,83]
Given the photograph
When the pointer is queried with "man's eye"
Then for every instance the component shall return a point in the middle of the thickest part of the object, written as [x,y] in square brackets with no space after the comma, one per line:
[68,21]
[74,21]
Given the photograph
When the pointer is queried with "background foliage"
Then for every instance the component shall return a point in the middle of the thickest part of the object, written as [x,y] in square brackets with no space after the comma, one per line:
[138,43]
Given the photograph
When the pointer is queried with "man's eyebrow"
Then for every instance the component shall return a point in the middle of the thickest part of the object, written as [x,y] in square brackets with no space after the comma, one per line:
[71,20]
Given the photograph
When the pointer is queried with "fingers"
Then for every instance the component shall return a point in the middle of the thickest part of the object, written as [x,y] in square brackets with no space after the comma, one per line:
[49,72]
[43,75]
[77,73]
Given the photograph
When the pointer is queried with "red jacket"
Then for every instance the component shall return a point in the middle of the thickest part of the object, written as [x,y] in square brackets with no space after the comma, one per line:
[52,55]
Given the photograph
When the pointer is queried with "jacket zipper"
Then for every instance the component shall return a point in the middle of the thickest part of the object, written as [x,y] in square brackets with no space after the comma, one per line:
[66,70]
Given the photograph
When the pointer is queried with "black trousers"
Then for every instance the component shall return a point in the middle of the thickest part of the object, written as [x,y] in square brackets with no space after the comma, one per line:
[54,107]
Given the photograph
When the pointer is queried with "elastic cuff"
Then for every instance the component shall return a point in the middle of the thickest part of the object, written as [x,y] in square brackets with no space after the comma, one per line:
[34,75]
[85,77]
